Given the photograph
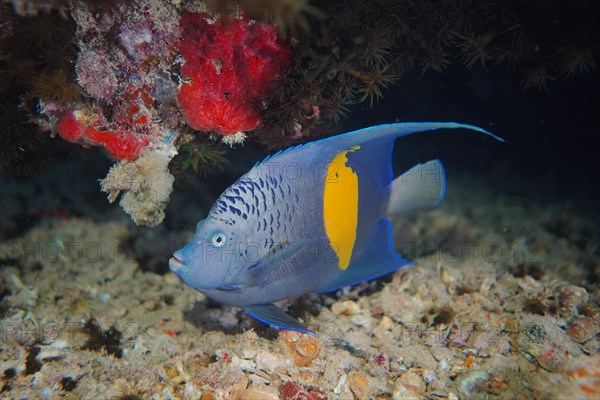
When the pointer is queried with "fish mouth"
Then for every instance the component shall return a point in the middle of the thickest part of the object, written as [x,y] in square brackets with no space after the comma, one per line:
[177,266]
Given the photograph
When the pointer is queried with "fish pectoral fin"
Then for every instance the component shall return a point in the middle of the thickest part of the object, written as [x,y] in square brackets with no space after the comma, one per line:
[272,315]
[276,257]
[421,187]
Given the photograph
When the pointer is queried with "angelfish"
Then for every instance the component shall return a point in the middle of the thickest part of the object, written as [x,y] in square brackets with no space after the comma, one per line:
[311,218]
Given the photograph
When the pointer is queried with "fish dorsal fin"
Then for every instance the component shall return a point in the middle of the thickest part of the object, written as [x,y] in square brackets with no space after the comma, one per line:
[374,258]
[280,152]
[272,315]
[376,143]
[420,188]
[393,131]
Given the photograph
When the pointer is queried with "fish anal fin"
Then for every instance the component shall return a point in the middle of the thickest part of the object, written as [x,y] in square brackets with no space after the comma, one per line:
[272,315]
[375,257]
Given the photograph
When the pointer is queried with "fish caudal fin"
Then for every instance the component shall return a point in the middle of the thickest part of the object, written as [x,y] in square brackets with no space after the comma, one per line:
[420,188]
[272,315]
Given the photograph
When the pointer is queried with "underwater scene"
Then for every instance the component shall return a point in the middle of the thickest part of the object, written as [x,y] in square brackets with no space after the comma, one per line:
[299,199]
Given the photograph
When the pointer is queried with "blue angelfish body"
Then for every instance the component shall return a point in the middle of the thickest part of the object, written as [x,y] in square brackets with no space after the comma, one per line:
[309,219]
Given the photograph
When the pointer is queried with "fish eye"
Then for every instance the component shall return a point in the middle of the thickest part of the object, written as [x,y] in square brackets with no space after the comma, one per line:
[218,240]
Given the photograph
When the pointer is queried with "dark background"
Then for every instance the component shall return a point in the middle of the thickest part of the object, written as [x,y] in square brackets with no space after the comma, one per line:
[550,154]
[552,136]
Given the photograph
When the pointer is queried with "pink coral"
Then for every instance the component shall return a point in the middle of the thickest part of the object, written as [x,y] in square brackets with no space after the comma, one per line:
[231,65]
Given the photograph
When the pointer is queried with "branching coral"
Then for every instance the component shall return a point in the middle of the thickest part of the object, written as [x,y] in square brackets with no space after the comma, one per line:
[475,48]
[21,141]
[360,48]
[58,85]
[577,59]
[200,154]
[33,8]
[374,48]
[36,56]
[373,81]
[36,46]
[291,17]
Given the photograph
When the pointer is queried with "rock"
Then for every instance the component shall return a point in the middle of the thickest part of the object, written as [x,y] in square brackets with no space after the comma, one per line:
[258,394]
[347,307]
[409,386]
[359,384]
[386,323]
[473,383]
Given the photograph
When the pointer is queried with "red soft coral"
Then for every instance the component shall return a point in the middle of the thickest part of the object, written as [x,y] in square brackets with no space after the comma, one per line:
[122,145]
[231,65]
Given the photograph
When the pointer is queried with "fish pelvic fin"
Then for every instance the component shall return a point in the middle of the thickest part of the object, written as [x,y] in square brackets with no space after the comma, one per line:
[272,315]
[420,188]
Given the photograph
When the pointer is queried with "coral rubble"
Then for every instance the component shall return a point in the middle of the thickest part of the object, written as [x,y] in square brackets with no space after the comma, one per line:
[83,318]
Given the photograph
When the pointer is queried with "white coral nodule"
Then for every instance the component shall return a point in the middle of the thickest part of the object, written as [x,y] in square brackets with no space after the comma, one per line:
[146,183]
